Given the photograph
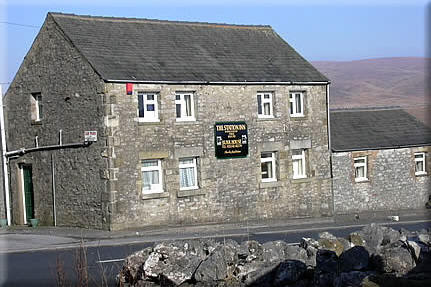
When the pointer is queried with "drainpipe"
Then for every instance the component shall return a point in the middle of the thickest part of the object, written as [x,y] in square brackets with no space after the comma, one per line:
[4,160]
[54,212]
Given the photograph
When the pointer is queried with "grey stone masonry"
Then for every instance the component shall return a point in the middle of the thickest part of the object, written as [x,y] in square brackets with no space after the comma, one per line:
[229,189]
[72,96]
[391,181]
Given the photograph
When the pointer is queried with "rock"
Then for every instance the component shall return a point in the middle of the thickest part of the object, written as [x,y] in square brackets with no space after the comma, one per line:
[414,249]
[220,263]
[331,244]
[297,253]
[132,270]
[306,242]
[250,250]
[324,279]
[356,239]
[175,263]
[326,235]
[326,261]
[372,235]
[351,279]
[394,258]
[311,256]
[354,259]
[274,251]
[390,236]
[257,273]
[289,272]
[424,238]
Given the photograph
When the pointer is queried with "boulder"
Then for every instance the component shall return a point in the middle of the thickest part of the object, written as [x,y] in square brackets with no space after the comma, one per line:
[250,251]
[296,253]
[424,238]
[326,261]
[326,235]
[372,235]
[331,244]
[351,279]
[132,270]
[306,242]
[354,259]
[356,239]
[414,249]
[395,258]
[175,263]
[288,272]
[275,251]
[390,236]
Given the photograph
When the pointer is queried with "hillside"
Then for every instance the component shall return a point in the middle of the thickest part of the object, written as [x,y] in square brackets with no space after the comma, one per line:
[379,82]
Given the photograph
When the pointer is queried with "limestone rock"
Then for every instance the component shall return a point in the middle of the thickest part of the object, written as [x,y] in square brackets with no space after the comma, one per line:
[394,258]
[326,261]
[351,279]
[354,259]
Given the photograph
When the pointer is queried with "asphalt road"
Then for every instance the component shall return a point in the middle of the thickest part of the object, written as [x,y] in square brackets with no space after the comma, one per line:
[41,268]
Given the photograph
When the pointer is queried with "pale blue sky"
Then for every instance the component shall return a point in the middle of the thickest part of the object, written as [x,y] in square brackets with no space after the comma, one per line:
[318,29]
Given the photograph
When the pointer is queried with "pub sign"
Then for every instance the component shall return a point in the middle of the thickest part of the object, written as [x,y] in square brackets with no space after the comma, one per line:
[231,139]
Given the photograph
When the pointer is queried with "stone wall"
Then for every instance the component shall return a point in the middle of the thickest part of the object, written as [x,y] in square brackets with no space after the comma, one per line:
[72,97]
[391,184]
[229,189]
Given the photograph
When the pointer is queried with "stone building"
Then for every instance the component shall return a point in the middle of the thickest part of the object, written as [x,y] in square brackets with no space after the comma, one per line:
[195,122]
[380,160]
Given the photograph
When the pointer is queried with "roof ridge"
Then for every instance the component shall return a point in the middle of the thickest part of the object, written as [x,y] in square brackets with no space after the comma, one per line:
[157,21]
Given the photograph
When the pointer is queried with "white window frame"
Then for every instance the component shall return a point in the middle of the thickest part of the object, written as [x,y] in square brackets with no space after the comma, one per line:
[301,158]
[195,170]
[264,101]
[36,99]
[292,104]
[183,117]
[423,154]
[149,116]
[359,165]
[271,159]
[158,188]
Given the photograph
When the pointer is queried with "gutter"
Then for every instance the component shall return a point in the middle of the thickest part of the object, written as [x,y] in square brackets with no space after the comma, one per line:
[23,151]
[217,83]
[383,147]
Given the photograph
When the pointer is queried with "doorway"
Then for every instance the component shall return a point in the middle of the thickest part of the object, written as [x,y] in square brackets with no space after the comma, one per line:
[27,192]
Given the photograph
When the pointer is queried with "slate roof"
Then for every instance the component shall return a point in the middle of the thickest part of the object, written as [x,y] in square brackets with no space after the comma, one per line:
[376,129]
[128,49]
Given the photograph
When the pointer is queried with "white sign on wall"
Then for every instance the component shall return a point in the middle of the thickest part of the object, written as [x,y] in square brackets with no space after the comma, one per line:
[90,136]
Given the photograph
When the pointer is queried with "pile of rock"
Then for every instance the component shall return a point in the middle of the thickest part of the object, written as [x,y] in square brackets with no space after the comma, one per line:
[327,261]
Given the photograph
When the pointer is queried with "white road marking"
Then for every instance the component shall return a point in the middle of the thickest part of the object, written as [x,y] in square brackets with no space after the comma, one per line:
[110,260]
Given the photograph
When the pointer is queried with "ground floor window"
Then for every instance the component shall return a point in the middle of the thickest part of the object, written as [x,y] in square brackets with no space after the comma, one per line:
[420,163]
[298,162]
[188,174]
[267,163]
[360,165]
[152,176]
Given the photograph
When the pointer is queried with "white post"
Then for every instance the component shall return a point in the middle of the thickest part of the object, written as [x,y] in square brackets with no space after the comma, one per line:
[3,149]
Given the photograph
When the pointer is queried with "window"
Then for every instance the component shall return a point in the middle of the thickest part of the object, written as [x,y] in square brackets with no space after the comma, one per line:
[298,162]
[267,163]
[152,176]
[188,174]
[184,107]
[296,101]
[147,107]
[360,165]
[36,106]
[264,105]
[420,163]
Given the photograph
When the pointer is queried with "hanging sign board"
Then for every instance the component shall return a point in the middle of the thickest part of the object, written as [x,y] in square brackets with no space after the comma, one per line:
[90,136]
[230,139]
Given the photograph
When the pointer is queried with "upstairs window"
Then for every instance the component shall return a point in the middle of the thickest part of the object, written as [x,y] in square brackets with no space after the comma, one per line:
[188,174]
[267,164]
[152,176]
[420,163]
[264,105]
[184,107]
[360,165]
[36,107]
[298,163]
[148,107]
[296,104]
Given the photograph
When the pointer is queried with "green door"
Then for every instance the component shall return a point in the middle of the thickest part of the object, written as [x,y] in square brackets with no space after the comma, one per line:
[28,192]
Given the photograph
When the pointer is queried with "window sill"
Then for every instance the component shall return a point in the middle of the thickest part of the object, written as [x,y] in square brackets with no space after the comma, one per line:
[142,120]
[301,179]
[155,195]
[362,179]
[36,123]
[185,120]
[297,116]
[419,174]
[272,118]
[269,184]
[190,192]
